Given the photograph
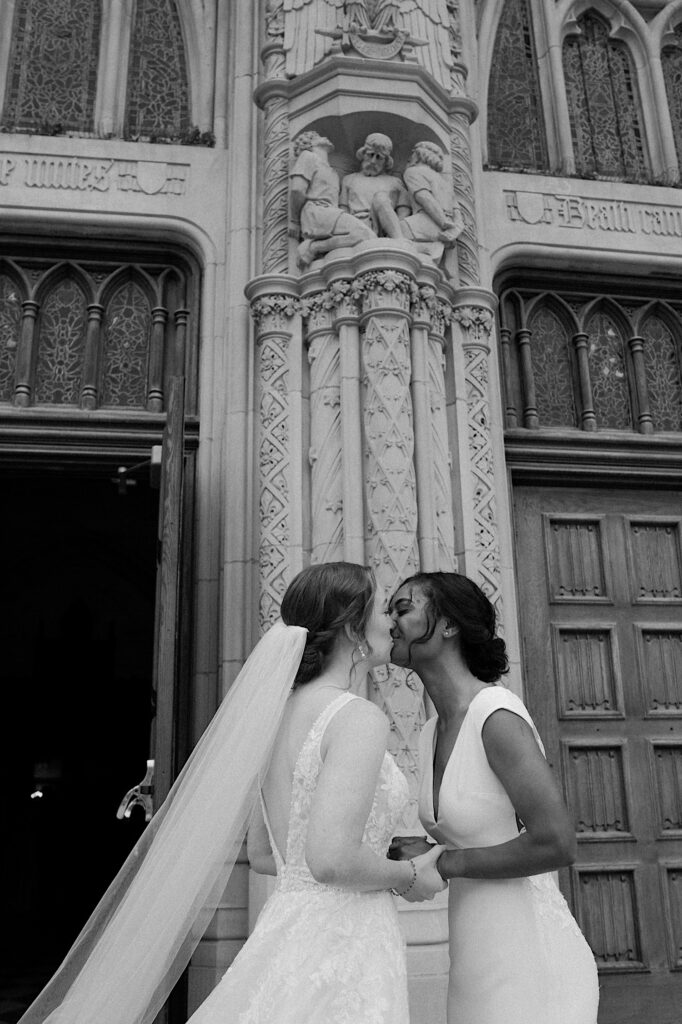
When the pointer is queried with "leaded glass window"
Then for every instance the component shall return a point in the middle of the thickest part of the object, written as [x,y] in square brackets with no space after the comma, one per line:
[671,61]
[603,103]
[551,368]
[93,333]
[10,327]
[62,341]
[608,372]
[664,383]
[127,327]
[516,130]
[53,66]
[576,359]
[158,95]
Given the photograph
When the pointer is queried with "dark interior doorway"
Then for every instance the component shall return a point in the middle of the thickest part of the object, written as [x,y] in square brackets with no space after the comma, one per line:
[77,592]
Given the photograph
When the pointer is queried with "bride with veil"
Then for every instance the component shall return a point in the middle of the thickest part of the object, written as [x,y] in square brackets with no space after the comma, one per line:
[294,752]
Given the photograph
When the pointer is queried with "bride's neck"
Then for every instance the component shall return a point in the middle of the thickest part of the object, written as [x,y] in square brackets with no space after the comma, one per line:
[338,672]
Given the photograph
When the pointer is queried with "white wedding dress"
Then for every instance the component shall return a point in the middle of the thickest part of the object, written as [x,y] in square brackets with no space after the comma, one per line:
[319,954]
[517,955]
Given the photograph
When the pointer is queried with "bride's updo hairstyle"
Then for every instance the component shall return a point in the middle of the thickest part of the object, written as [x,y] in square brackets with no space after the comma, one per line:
[462,603]
[324,599]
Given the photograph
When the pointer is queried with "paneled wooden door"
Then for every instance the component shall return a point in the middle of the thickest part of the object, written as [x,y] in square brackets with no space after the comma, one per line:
[600,591]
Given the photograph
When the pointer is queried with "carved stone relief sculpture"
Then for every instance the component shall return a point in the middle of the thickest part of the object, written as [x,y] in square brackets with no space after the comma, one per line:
[373,194]
[406,30]
[419,209]
[436,221]
[316,216]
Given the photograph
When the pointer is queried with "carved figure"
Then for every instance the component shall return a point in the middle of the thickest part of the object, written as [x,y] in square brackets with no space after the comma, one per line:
[380,29]
[315,214]
[374,195]
[436,221]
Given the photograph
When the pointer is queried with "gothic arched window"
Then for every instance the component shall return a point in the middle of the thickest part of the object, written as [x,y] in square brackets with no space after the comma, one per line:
[516,130]
[608,371]
[10,330]
[127,328]
[157,105]
[671,62]
[63,322]
[603,103]
[595,362]
[53,61]
[550,347]
[663,378]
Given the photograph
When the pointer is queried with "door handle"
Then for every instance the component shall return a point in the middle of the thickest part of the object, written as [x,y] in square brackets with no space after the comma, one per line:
[140,795]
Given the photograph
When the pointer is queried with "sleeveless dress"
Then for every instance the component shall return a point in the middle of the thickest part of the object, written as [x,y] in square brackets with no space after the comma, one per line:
[320,954]
[517,956]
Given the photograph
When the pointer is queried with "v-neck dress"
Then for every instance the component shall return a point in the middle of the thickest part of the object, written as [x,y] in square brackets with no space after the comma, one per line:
[320,954]
[517,955]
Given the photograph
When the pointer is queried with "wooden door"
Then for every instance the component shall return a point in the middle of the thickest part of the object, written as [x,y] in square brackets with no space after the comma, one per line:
[600,591]
[168,579]
[169,632]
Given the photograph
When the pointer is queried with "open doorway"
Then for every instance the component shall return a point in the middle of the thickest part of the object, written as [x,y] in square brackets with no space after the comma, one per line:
[77,596]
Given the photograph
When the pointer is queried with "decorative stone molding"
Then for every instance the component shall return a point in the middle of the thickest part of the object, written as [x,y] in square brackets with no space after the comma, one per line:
[477,322]
[384,289]
[273,311]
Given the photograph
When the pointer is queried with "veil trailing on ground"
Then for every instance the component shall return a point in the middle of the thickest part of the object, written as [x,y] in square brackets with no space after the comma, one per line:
[142,934]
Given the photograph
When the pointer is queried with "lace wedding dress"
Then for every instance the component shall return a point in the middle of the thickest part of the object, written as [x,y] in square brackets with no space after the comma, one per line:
[517,955]
[319,954]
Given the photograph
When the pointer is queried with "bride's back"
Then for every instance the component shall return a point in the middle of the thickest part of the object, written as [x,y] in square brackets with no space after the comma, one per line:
[303,709]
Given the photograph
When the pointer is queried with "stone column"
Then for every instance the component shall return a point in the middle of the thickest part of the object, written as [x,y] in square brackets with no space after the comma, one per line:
[275,309]
[430,316]
[326,444]
[441,452]
[473,321]
[463,110]
[390,483]
[272,97]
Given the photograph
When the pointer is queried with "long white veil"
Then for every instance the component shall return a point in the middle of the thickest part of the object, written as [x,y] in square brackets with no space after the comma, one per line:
[142,934]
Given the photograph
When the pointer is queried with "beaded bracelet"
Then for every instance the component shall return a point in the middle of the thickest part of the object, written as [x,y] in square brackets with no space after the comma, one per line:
[413,880]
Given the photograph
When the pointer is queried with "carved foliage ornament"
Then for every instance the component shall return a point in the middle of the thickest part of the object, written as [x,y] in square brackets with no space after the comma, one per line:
[476,320]
[346,295]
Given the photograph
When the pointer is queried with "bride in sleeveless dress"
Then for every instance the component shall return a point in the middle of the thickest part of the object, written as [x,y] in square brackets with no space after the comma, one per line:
[294,752]
[517,956]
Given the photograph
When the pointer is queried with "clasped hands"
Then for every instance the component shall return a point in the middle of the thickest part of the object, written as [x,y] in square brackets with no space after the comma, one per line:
[424,856]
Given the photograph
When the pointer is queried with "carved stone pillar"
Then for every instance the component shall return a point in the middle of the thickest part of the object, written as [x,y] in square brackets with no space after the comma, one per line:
[441,455]
[272,97]
[326,445]
[473,322]
[275,307]
[391,484]
[462,112]
[430,315]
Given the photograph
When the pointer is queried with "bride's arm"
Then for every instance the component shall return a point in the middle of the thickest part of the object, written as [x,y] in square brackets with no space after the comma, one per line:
[258,849]
[353,749]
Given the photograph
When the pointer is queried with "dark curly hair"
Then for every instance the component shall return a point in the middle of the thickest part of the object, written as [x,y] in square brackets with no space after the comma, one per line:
[324,599]
[459,601]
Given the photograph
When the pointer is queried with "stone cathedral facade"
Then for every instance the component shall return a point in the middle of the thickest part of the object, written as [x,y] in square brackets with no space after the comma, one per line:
[491,385]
